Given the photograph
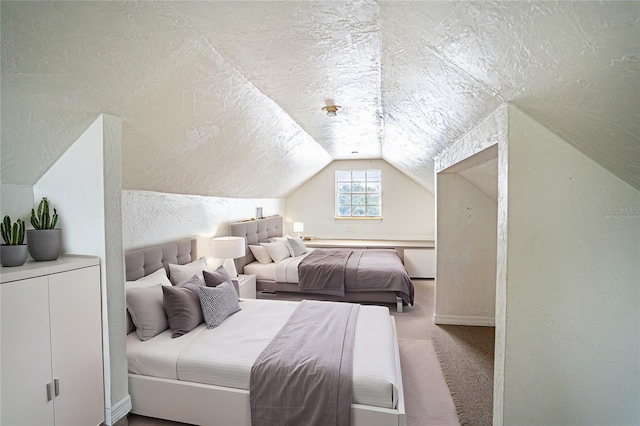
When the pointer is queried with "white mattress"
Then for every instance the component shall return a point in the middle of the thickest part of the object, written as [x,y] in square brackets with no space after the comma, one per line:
[223,356]
[285,271]
[262,271]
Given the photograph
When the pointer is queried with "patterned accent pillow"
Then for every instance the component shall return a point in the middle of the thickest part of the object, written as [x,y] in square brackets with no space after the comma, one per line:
[218,303]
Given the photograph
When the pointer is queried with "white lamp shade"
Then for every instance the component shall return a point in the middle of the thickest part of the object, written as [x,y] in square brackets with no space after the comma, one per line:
[228,248]
[298,227]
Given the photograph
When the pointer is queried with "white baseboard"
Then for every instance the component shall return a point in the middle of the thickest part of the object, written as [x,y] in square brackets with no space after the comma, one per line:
[464,320]
[118,411]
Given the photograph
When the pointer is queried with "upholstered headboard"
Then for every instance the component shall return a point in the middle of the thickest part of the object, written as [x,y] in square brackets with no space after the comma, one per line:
[142,262]
[255,232]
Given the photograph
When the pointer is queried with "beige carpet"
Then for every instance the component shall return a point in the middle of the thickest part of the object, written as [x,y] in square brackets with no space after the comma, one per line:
[427,397]
[466,356]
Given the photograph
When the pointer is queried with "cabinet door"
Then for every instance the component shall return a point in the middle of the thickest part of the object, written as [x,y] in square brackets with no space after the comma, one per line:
[25,360]
[76,346]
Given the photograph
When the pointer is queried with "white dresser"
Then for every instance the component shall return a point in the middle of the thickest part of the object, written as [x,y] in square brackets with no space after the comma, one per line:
[51,343]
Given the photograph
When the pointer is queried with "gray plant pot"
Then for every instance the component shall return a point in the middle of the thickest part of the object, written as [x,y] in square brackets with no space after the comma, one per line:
[13,255]
[44,244]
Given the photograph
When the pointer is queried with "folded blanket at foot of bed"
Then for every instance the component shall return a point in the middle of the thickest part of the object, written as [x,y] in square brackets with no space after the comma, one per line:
[305,374]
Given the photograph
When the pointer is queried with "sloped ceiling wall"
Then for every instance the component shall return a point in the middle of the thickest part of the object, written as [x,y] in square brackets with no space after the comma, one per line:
[224,98]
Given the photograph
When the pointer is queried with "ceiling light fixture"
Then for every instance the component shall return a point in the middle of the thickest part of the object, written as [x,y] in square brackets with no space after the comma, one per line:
[331,110]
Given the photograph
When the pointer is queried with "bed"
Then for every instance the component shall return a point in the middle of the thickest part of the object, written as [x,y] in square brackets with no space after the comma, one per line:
[182,379]
[392,285]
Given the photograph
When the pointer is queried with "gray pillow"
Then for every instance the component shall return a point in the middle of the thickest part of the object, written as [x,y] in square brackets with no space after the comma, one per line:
[157,277]
[219,276]
[218,303]
[182,305]
[145,304]
[297,246]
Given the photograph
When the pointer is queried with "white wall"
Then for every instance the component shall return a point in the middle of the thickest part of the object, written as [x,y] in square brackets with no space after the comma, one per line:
[407,208]
[152,217]
[466,249]
[84,186]
[74,186]
[572,299]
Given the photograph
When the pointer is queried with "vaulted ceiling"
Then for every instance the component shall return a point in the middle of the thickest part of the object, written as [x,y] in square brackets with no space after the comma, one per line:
[224,98]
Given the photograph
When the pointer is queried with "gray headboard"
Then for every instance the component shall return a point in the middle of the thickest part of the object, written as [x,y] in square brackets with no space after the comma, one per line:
[255,232]
[142,262]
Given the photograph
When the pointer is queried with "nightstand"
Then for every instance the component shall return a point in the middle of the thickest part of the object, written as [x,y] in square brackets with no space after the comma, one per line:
[247,285]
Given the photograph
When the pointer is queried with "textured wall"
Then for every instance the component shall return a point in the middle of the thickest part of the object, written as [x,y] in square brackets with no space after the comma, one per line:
[16,201]
[490,132]
[152,218]
[114,265]
[407,208]
[572,347]
[205,89]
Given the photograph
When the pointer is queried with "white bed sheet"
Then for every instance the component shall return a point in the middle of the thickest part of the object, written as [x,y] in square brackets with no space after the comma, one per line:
[223,356]
[262,271]
[157,356]
[285,271]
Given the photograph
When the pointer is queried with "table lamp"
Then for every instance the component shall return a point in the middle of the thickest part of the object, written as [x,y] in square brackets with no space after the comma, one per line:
[298,227]
[228,248]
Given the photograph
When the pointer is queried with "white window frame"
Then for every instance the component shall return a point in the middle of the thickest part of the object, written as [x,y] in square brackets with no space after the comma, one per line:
[338,193]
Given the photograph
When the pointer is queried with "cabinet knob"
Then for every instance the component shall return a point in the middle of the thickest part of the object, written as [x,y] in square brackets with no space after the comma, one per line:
[56,387]
[49,396]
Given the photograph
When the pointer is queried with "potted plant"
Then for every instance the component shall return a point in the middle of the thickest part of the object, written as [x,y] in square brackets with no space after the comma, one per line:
[14,251]
[44,240]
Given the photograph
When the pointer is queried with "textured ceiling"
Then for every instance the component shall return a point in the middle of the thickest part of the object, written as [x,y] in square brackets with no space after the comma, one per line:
[225,98]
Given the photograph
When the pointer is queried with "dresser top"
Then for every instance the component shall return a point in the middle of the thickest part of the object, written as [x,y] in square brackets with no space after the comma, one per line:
[33,269]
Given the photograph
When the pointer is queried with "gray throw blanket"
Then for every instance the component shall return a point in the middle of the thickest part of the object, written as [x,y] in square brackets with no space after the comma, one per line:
[323,271]
[304,375]
[340,271]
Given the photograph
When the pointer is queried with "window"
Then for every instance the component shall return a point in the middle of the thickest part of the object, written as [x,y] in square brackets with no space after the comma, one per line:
[359,194]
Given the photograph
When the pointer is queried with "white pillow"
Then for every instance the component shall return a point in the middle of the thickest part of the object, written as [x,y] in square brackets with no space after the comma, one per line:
[213,263]
[285,241]
[157,277]
[277,250]
[181,273]
[261,254]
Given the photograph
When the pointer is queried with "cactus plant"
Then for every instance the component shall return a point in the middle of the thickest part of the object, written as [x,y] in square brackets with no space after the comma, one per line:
[12,234]
[43,220]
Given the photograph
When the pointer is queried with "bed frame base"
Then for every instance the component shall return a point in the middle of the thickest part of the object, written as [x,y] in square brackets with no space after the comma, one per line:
[201,404]
[213,405]
[376,297]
